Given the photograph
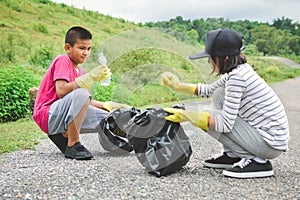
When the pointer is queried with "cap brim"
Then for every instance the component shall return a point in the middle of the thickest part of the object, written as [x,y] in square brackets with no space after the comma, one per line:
[199,55]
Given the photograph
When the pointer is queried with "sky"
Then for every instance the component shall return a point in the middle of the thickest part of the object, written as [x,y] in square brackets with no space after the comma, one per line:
[164,10]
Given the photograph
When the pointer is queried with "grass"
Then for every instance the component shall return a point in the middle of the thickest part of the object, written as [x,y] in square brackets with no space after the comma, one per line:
[273,71]
[28,24]
[22,134]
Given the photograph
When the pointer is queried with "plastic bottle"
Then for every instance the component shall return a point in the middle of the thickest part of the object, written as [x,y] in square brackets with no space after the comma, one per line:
[103,61]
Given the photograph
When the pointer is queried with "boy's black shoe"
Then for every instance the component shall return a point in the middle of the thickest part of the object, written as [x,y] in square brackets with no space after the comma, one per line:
[60,141]
[221,162]
[78,152]
[249,168]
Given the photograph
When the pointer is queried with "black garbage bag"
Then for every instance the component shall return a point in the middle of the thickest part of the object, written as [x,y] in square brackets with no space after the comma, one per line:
[161,146]
[113,138]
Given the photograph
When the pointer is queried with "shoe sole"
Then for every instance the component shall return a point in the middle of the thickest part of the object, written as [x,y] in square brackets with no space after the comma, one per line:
[217,166]
[248,174]
[79,158]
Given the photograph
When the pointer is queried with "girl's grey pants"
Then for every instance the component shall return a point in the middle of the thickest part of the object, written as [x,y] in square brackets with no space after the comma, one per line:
[244,140]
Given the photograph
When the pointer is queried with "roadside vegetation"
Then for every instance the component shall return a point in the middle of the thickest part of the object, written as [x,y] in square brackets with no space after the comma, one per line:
[281,38]
[32,35]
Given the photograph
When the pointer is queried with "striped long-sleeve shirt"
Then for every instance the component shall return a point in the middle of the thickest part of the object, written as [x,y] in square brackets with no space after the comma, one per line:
[247,95]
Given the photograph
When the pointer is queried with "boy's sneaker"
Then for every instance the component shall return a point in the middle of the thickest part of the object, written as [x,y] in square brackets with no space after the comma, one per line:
[249,168]
[60,141]
[78,152]
[222,161]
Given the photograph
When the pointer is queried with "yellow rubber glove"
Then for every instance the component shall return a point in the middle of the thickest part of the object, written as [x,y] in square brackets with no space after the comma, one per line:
[109,105]
[171,80]
[97,74]
[199,119]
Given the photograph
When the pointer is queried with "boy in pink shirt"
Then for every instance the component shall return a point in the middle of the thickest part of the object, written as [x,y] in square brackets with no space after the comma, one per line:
[63,106]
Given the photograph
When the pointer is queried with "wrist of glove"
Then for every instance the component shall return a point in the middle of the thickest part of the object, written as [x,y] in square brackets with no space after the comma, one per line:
[97,74]
[170,80]
[199,119]
[109,105]
[185,88]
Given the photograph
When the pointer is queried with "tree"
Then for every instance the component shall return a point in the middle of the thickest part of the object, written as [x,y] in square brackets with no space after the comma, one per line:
[193,34]
[294,44]
[264,39]
[270,40]
[283,37]
[285,24]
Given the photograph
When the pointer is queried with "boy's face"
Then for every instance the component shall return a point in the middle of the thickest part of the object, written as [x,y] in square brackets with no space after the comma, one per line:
[79,52]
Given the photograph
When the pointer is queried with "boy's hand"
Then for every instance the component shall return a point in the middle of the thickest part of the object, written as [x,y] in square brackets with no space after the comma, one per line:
[171,80]
[109,105]
[97,74]
[199,119]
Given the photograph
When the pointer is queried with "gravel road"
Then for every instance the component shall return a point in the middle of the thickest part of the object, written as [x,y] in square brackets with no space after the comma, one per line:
[45,174]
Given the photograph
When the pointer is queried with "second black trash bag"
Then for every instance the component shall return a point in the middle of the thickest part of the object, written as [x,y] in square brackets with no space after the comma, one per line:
[113,138]
[161,146]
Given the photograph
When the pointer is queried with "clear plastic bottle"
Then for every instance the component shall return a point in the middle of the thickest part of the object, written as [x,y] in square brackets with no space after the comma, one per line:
[103,61]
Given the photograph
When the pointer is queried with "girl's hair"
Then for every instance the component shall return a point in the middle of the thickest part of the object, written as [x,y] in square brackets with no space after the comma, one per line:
[228,63]
[77,33]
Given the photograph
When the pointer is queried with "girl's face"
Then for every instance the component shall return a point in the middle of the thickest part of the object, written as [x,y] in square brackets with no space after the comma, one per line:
[214,65]
[79,52]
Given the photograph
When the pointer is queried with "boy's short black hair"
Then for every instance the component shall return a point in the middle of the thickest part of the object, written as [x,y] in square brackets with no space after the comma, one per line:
[77,33]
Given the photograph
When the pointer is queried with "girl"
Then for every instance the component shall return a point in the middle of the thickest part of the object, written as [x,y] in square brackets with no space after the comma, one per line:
[248,118]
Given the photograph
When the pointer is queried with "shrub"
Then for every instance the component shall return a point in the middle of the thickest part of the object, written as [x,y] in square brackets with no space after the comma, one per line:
[102,93]
[39,27]
[42,56]
[14,85]
[8,54]
[251,50]
[44,2]
[14,5]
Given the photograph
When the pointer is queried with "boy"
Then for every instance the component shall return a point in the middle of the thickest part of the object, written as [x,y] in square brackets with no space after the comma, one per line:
[63,106]
[248,119]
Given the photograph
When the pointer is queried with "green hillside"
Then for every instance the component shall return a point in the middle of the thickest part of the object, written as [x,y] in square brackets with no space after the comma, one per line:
[36,29]
[33,33]
[27,25]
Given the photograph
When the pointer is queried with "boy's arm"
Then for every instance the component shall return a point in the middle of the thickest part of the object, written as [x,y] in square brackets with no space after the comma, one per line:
[64,87]
[97,104]
[97,74]
[108,105]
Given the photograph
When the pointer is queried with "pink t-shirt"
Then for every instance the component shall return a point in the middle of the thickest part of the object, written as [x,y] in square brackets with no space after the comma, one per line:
[61,68]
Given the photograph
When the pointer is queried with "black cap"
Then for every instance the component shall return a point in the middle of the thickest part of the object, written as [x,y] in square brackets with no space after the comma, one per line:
[221,42]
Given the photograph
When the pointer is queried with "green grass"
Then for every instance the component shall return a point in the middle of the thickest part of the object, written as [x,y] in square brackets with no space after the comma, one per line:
[273,71]
[29,24]
[22,134]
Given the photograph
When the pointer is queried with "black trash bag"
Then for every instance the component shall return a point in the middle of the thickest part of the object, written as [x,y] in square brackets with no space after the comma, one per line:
[161,146]
[113,138]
